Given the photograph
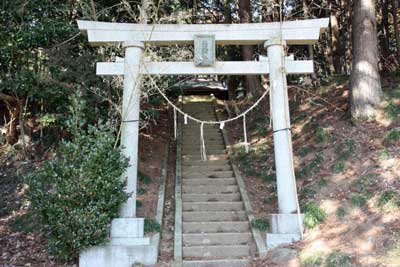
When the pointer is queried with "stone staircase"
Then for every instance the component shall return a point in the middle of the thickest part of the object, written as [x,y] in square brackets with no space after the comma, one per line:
[215,228]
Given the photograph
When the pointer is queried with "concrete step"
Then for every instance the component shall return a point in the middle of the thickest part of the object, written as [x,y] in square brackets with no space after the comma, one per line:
[216,251]
[196,133]
[213,206]
[216,263]
[196,149]
[211,197]
[216,239]
[210,157]
[207,174]
[196,136]
[197,163]
[223,167]
[207,216]
[219,144]
[209,189]
[210,181]
[215,227]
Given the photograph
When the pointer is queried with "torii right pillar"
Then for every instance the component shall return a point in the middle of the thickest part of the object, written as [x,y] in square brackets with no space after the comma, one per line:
[286,227]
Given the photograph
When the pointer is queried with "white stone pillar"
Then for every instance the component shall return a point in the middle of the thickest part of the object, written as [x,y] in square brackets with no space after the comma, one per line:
[130,121]
[285,226]
[281,126]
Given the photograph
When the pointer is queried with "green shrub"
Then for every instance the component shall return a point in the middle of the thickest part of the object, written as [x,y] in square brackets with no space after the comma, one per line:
[77,193]
[314,215]
[261,223]
[338,259]
[151,225]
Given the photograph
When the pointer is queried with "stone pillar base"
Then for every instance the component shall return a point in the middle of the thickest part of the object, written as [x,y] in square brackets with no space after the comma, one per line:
[127,227]
[123,255]
[285,230]
[127,245]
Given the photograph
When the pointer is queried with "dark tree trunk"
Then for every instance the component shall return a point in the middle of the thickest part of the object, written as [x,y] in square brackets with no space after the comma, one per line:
[385,37]
[366,91]
[337,52]
[395,7]
[252,83]
[231,82]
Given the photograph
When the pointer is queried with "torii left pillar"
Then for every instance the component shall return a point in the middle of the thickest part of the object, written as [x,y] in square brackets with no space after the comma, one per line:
[128,226]
[127,242]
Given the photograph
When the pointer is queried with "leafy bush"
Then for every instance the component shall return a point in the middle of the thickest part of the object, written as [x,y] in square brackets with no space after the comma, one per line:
[261,224]
[314,215]
[78,192]
[151,225]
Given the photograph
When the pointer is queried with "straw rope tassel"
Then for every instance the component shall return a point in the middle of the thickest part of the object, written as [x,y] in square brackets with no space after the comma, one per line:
[202,145]
[246,144]
[175,128]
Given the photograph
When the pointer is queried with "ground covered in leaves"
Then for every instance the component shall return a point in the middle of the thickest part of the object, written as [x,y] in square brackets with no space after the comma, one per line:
[348,177]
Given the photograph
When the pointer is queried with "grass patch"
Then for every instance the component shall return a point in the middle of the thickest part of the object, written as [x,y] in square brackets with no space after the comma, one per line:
[392,110]
[345,150]
[390,199]
[268,178]
[338,259]
[315,260]
[366,185]
[304,151]
[384,154]
[321,134]
[261,224]
[314,215]
[392,136]
[338,167]
[358,200]
[322,183]
[151,226]
[307,192]
[340,212]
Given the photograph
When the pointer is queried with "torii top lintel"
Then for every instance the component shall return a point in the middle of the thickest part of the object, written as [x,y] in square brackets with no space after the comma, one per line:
[298,32]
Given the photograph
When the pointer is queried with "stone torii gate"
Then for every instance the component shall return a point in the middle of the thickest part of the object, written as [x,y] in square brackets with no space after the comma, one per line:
[128,244]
